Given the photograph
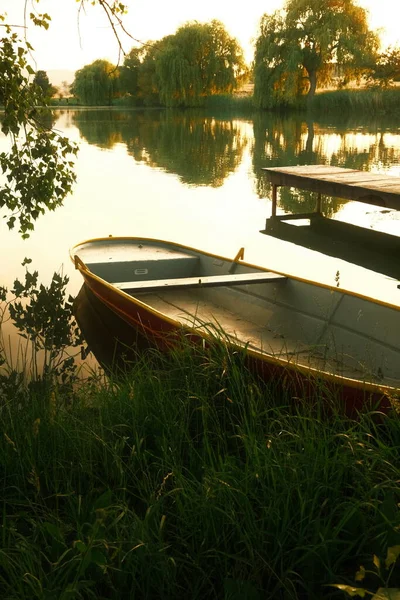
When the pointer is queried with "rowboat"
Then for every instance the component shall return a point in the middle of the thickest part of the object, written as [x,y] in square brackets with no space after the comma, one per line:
[144,293]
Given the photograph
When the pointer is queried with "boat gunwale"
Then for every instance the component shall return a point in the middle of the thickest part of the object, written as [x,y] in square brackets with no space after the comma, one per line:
[367,386]
[239,262]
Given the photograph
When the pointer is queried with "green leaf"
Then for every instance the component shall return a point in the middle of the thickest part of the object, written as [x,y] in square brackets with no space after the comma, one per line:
[377,562]
[351,591]
[360,575]
[104,501]
[53,531]
[98,557]
[80,546]
[392,555]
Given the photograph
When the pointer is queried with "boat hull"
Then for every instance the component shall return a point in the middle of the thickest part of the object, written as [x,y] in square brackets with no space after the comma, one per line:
[310,339]
[118,332]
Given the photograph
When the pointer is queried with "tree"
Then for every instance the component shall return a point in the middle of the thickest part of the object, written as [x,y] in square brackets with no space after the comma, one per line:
[147,75]
[386,70]
[299,47]
[129,72]
[38,172]
[196,62]
[41,79]
[38,169]
[183,69]
[96,84]
[137,76]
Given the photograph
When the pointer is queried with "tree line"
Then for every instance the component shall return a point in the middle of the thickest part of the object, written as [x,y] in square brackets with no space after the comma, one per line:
[300,48]
[199,60]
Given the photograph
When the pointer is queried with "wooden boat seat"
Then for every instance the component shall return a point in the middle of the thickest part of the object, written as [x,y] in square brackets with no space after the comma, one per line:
[197,282]
[123,266]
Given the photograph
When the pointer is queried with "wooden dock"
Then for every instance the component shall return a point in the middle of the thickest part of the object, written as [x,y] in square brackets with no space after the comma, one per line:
[373,188]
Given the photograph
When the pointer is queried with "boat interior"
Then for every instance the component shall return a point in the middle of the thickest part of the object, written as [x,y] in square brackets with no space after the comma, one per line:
[292,320]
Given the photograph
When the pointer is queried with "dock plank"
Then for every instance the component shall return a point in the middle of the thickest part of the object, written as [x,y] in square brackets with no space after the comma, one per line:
[350,184]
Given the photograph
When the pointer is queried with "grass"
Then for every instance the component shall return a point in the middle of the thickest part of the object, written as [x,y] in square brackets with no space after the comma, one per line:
[188,478]
[369,101]
[240,105]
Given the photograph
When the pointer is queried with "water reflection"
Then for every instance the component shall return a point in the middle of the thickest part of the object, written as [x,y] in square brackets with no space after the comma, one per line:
[200,150]
[364,144]
[204,150]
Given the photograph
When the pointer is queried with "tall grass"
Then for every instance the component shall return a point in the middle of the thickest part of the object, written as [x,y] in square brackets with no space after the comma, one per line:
[187,478]
[369,101]
[240,105]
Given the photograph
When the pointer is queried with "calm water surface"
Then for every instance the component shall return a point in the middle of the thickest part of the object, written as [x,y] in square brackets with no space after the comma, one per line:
[197,179]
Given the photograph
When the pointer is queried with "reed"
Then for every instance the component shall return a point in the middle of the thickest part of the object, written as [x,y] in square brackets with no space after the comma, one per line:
[187,477]
[232,103]
[368,101]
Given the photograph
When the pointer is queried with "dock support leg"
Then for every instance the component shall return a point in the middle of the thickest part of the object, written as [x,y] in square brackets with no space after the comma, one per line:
[319,204]
[274,197]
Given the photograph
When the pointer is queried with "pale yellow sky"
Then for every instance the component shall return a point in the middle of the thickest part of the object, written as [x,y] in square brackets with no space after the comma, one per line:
[67,45]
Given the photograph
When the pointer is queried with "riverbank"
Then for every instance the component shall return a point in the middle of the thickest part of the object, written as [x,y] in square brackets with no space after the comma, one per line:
[189,478]
[354,100]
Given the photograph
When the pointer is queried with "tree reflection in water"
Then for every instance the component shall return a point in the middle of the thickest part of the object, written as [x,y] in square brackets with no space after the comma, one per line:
[203,149]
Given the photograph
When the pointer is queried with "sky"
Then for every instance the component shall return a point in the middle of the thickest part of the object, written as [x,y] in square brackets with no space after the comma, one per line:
[69,44]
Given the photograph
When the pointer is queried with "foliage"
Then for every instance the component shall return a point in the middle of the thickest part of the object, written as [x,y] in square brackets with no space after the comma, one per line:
[198,61]
[386,70]
[297,49]
[96,84]
[188,478]
[369,101]
[239,105]
[382,572]
[38,169]
[44,317]
[129,72]
[278,77]
[149,92]
[137,75]
[41,79]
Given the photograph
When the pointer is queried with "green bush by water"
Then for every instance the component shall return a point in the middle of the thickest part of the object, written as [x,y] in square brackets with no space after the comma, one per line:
[187,478]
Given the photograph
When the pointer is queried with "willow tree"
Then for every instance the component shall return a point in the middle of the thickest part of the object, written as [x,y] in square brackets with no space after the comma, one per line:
[305,44]
[96,84]
[199,60]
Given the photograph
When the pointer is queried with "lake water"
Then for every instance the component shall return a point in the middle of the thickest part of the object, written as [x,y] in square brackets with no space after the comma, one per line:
[197,179]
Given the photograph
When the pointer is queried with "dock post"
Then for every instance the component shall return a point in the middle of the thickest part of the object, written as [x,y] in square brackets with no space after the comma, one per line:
[274,196]
[318,203]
